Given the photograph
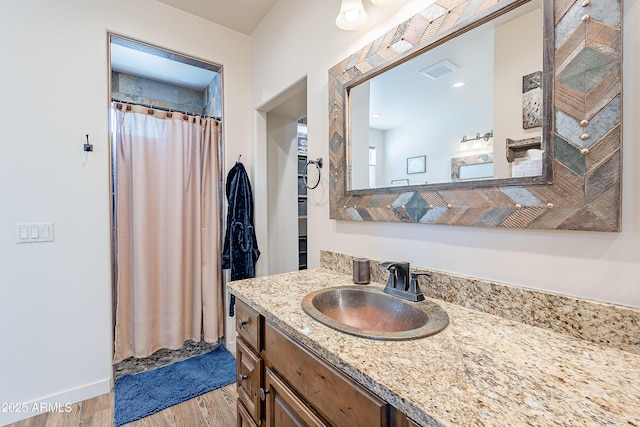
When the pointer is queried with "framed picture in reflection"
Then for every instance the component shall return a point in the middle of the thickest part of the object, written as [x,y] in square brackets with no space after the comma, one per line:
[417,164]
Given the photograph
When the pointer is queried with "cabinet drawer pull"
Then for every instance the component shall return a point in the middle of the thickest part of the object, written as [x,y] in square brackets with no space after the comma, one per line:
[263,394]
[241,323]
[241,378]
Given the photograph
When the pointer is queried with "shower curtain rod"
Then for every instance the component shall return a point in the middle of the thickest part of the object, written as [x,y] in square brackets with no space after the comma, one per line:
[152,107]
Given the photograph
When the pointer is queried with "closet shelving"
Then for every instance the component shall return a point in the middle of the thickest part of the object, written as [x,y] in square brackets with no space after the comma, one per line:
[302,196]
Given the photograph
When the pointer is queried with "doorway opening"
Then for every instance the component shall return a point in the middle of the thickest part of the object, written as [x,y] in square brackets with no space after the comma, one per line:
[164,84]
[285,148]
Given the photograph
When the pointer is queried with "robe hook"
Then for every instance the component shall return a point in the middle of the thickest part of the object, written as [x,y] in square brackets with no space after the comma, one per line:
[87,146]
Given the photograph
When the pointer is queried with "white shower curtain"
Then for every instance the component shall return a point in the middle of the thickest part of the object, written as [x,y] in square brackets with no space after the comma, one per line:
[168,281]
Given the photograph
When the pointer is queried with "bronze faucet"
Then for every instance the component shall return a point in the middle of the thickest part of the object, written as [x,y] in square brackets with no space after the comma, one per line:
[399,283]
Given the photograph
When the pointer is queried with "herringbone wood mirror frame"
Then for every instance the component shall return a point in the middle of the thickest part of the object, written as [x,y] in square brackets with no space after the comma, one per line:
[580,187]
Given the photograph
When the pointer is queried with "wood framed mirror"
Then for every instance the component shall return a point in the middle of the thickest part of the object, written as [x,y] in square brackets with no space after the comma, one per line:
[577,185]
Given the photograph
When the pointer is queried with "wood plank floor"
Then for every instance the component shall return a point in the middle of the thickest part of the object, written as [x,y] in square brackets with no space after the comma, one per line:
[214,409]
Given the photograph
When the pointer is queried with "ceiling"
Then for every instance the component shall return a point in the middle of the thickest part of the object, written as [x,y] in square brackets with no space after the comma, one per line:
[142,63]
[153,63]
[404,95]
[240,15]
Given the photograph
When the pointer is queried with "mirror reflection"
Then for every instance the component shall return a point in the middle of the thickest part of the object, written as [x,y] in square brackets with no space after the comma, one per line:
[466,110]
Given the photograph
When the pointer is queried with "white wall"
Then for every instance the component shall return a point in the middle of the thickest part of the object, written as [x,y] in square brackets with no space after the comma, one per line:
[439,138]
[511,63]
[359,150]
[282,163]
[600,266]
[55,305]
[377,173]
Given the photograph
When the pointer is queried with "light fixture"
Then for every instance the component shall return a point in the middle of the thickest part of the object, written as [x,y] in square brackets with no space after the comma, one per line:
[467,143]
[459,84]
[352,15]
[383,3]
[476,141]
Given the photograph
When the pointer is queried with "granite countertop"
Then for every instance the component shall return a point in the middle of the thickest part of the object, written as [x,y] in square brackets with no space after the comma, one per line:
[481,370]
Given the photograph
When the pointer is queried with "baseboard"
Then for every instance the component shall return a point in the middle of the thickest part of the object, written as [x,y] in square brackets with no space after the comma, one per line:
[230,344]
[60,402]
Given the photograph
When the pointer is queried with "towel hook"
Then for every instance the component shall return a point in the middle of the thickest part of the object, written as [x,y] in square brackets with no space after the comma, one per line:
[87,146]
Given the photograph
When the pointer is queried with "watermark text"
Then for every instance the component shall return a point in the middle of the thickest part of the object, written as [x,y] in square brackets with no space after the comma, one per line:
[14,407]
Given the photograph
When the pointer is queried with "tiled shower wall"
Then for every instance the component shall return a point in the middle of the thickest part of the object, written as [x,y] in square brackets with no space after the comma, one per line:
[213,97]
[140,90]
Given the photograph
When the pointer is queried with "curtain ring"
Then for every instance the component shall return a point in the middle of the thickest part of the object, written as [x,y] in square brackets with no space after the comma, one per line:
[318,163]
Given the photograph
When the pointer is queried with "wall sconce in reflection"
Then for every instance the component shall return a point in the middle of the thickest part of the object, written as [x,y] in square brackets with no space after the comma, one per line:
[352,15]
[469,143]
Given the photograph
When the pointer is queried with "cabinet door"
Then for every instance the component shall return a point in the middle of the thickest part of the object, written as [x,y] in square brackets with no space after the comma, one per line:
[249,380]
[337,398]
[244,419]
[283,408]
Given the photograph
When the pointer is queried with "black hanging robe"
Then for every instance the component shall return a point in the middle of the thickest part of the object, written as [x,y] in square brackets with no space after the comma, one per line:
[240,252]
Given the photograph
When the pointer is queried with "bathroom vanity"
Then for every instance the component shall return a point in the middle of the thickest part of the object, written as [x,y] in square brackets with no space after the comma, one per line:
[481,370]
[282,383]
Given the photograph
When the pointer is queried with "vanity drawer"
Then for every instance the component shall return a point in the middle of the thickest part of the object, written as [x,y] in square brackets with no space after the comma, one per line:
[249,380]
[334,396]
[248,325]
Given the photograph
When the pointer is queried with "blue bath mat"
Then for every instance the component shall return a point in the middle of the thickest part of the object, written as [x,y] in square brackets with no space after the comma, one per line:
[146,393]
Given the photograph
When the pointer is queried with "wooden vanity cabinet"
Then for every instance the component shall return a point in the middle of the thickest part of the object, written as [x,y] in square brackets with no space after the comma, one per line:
[280,383]
[249,379]
[249,365]
[244,419]
[284,408]
[249,325]
[337,398]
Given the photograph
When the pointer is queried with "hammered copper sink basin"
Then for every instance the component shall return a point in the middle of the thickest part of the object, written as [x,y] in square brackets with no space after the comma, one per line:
[368,312]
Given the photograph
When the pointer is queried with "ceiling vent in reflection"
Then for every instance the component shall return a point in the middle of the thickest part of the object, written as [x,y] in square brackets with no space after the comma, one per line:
[439,69]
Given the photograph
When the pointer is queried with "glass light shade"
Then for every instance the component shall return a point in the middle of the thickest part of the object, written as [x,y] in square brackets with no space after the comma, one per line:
[352,15]
[383,3]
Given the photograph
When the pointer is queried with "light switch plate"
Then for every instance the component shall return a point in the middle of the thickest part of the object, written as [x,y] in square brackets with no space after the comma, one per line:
[34,232]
